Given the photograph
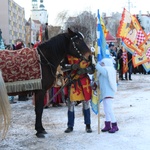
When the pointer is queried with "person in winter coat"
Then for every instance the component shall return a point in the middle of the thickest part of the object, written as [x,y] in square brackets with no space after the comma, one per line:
[129,55]
[108,88]
[120,61]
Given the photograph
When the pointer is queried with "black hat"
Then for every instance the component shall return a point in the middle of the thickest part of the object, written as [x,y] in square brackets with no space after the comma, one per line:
[111,44]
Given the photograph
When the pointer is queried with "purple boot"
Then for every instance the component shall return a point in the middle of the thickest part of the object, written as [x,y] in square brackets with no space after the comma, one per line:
[114,128]
[107,126]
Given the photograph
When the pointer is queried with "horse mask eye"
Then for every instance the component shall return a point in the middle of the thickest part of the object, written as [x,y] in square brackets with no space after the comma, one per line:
[80,38]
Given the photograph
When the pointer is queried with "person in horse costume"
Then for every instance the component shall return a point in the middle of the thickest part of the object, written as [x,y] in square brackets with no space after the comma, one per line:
[51,53]
[79,88]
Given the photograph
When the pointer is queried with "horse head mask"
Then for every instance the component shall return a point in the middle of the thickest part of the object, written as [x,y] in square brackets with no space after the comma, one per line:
[78,47]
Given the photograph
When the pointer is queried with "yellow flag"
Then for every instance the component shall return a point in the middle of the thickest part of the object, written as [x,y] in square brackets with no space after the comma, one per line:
[103,27]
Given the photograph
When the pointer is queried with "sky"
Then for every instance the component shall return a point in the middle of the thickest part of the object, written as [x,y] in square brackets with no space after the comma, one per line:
[77,6]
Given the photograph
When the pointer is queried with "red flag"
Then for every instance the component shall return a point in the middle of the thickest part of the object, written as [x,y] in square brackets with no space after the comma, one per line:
[125,61]
[40,34]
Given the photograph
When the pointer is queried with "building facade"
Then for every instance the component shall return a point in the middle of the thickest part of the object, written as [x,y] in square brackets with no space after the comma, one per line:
[39,12]
[32,31]
[12,21]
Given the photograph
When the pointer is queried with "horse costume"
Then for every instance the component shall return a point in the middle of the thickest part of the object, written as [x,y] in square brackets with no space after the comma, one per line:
[50,54]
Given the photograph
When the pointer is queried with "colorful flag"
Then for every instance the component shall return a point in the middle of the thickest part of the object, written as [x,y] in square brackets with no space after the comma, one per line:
[125,60]
[101,41]
[102,51]
[138,60]
[104,27]
[95,98]
[131,32]
[146,66]
[135,40]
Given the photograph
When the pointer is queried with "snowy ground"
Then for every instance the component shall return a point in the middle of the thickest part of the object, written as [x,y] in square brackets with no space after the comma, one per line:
[132,109]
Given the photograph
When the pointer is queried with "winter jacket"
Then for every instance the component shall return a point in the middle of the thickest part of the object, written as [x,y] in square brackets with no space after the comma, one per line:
[105,87]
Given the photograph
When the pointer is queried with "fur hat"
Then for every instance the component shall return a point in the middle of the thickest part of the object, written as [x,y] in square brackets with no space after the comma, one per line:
[19,46]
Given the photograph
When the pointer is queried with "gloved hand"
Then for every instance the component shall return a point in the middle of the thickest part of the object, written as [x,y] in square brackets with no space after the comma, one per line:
[91,69]
[75,66]
[81,71]
[90,58]
[94,86]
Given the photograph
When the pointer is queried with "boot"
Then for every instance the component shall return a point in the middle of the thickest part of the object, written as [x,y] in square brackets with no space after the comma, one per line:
[22,98]
[69,129]
[88,128]
[130,76]
[114,128]
[70,123]
[107,126]
[87,120]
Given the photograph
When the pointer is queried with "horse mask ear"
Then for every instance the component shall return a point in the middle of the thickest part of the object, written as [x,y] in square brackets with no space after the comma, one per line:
[71,33]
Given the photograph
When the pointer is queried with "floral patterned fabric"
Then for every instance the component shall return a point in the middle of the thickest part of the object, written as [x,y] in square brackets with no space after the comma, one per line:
[20,66]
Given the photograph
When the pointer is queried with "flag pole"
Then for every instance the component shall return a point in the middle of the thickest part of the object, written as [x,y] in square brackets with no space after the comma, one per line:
[102,47]
[99,57]
[98,93]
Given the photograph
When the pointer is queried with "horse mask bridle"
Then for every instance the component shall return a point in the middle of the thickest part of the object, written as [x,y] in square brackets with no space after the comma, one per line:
[75,47]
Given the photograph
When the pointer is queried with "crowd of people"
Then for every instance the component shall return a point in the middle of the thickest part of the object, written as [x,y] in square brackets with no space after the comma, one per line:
[79,90]
[118,55]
